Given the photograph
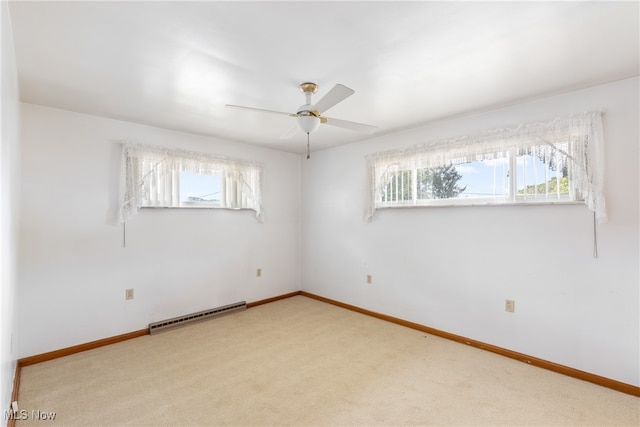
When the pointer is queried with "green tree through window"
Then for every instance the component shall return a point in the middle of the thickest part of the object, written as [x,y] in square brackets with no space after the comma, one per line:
[430,183]
[439,183]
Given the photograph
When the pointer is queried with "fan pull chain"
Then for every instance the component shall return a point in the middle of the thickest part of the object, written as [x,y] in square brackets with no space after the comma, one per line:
[308,154]
[595,236]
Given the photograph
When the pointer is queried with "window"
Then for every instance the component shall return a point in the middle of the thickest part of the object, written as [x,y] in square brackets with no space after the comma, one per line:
[535,174]
[538,163]
[158,177]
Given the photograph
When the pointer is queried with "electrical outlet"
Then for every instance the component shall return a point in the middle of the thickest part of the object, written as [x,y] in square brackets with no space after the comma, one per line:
[128,294]
[369,279]
[510,306]
[259,272]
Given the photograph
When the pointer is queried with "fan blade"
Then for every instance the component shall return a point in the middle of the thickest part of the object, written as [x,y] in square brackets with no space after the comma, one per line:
[359,127]
[337,94]
[262,110]
[290,133]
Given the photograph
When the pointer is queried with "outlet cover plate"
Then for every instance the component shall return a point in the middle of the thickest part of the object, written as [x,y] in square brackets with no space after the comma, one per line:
[510,306]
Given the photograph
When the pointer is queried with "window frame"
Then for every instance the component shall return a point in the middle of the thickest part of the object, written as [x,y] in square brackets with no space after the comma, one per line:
[511,198]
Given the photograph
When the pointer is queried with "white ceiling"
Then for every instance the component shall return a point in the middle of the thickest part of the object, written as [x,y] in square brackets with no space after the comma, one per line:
[176,64]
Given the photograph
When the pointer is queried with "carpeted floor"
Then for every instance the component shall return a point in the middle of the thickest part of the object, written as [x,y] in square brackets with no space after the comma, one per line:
[303,362]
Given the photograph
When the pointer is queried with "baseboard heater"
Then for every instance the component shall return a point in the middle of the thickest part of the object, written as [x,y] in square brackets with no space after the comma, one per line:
[163,325]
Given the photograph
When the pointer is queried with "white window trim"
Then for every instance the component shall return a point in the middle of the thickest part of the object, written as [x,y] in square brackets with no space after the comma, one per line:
[137,158]
[584,132]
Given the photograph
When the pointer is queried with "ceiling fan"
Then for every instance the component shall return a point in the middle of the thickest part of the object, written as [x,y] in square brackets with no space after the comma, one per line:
[309,116]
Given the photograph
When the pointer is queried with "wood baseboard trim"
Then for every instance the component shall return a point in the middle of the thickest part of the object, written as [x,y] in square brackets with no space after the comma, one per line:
[541,363]
[32,360]
[273,299]
[561,369]
[11,422]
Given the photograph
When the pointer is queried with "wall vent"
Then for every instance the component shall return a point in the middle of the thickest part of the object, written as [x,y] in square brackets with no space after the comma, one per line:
[163,325]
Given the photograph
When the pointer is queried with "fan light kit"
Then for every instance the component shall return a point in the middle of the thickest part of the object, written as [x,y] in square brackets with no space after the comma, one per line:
[309,116]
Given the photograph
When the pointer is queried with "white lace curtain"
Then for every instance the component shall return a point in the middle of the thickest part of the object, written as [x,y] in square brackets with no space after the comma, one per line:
[583,133]
[150,177]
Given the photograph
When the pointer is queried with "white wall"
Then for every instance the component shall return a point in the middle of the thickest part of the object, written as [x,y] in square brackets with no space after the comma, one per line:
[9,155]
[73,269]
[448,268]
[453,268]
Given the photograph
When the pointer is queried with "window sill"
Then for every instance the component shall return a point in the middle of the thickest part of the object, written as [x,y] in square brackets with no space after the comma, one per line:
[483,204]
[194,207]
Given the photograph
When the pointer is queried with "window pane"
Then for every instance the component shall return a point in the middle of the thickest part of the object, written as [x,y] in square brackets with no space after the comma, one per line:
[474,180]
[399,187]
[542,174]
[485,179]
[199,190]
[439,183]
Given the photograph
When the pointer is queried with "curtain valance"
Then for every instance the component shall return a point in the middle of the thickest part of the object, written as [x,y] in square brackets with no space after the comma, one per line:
[583,133]
[149,176]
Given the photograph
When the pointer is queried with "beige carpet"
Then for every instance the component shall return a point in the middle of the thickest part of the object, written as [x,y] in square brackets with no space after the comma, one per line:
[303,362]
